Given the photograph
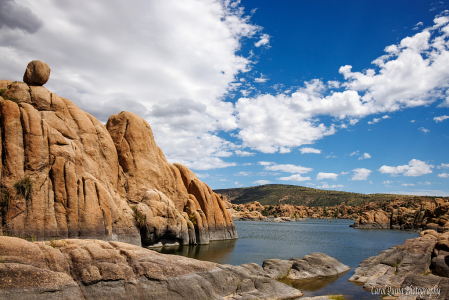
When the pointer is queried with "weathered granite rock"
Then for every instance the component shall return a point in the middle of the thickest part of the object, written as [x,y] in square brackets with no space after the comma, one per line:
[392,266]
[80,179]
[93,269]
[314,265]
[373,219]
[37,73]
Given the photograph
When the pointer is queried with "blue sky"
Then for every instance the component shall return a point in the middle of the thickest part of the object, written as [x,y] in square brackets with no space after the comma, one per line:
[347,95]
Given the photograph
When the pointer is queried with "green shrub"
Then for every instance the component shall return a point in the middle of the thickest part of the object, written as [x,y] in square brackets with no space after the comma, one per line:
[4,197]
[192,219]
[24,186]
[139,218]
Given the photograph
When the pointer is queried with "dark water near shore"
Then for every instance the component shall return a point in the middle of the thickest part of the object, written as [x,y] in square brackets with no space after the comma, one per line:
[262,240]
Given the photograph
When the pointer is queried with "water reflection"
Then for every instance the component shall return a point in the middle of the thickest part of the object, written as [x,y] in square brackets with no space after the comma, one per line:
[311,284]
[216,251]
[259,241]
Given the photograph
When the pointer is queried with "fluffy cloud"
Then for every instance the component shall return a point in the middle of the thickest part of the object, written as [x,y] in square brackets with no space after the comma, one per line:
[415,167]
[244,153]
[365,156]
[440,119]
[408,184]
[16,16]
[322,176]
[261,79]
[443,166]
[171,62]
[262,182]
[443,175]
[376,120]
[423,129]
[295,177]
[410,74]
[264,40]
[360,174]
[270,166]
[309,150]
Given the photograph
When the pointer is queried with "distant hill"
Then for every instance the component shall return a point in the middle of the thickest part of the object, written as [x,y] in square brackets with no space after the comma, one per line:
[275,194]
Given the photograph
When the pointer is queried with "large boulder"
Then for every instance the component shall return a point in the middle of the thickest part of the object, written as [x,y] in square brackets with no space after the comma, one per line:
[314,265]
[66,175]
[92,269]
[37,73]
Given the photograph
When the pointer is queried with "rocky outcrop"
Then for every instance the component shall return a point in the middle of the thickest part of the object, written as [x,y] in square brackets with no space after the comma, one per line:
[66,175]
[314,265]
[93,269]
[414,214]
[373,219]
[420,262]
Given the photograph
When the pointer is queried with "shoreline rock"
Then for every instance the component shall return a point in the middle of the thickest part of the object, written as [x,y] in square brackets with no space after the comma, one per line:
[94,269]
[420,262]
[314,265]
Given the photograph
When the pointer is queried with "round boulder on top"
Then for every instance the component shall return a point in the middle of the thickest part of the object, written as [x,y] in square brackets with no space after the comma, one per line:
[37,73]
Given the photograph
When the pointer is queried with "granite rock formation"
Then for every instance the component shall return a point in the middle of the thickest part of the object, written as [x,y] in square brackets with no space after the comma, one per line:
[66,175]
[414,214]
[421,262]
[314,265]
[92,269]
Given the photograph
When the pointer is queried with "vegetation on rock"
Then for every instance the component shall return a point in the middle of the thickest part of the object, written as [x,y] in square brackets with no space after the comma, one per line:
[24,186]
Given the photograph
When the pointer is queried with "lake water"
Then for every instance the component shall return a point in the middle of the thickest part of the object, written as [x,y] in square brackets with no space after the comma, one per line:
[259,241]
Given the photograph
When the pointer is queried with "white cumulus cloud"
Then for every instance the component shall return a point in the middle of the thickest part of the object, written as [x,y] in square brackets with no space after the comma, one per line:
[295,177]
[440,119]
[262,182]
[322,176]
[309,150]
[365,156]
[415,167]
[264,40]
[244,153]
[270,166]
[360,174]
[410,74]
[443,175]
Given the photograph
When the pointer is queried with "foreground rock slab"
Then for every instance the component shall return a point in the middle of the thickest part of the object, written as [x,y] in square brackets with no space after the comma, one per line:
[94,269]
[418,263]
[314,265]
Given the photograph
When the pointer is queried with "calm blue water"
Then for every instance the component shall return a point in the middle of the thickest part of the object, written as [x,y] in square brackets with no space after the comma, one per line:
[259,241]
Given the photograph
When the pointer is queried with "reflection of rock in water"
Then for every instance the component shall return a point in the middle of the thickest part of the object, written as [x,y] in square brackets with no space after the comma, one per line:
[311,284]
[215,251]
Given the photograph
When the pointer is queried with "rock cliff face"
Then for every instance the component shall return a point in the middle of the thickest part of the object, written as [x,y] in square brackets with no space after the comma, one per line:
[66,175]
